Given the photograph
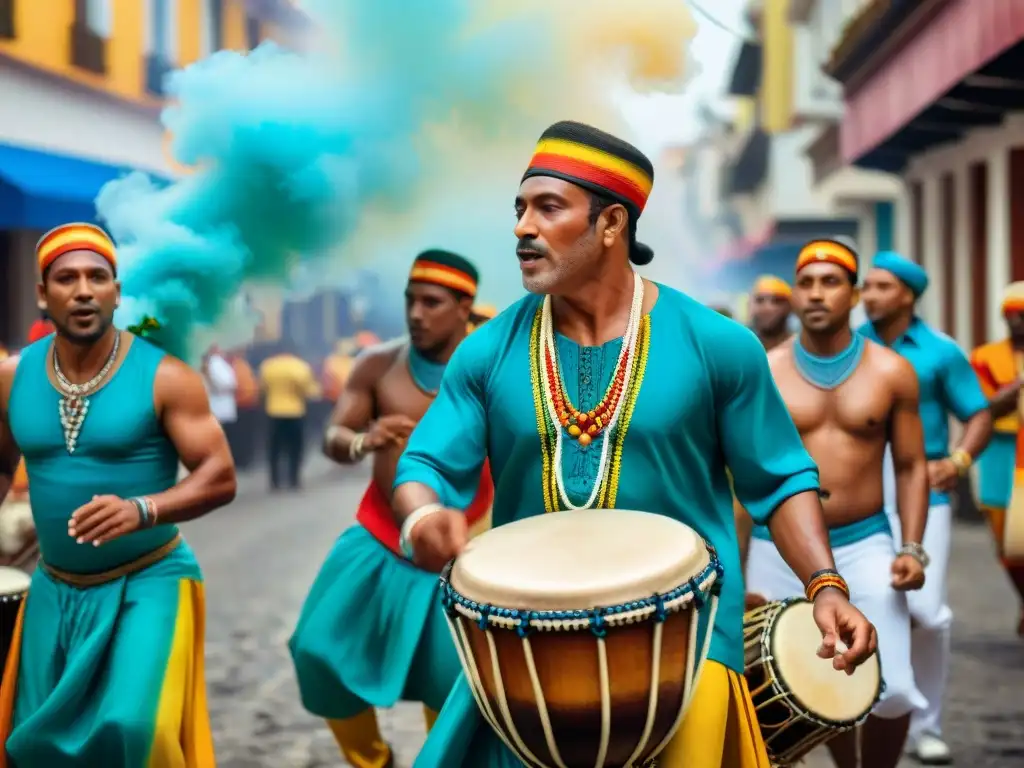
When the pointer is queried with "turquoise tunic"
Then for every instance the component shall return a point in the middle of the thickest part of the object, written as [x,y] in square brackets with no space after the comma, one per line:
[94,661]
[995,470]
[708,401]
[372,632]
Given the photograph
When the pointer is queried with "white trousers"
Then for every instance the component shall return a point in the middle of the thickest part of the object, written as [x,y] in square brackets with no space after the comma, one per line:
[866,567]
[929,608]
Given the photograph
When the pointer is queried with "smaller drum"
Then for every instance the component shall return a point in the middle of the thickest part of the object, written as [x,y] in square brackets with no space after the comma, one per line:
[578,632]
[14,585]
[800,699]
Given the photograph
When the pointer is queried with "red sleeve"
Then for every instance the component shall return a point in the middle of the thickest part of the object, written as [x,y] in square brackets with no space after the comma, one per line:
[988,381]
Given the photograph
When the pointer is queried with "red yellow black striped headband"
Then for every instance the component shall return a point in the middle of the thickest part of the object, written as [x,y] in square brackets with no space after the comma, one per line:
[828,251]
[76,236]
[440,274]
[595,160]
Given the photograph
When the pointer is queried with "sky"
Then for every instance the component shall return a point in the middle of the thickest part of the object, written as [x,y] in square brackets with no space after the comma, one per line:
[663,119]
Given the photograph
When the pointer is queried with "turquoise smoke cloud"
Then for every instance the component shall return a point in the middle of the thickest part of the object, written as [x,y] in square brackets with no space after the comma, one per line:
[292,149]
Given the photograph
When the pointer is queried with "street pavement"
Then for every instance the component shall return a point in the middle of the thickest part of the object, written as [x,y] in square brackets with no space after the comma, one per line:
[261,554]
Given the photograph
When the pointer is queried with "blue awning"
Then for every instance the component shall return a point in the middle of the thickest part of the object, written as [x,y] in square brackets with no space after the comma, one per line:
[40,190]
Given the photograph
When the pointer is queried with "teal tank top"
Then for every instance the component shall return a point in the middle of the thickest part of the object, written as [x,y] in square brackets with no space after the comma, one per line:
[122,450]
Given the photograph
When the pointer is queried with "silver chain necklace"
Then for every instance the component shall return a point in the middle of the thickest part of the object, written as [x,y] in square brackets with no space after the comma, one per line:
[74,405]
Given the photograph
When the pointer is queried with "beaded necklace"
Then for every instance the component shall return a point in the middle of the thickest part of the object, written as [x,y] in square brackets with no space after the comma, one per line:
[73,405]
[607,422]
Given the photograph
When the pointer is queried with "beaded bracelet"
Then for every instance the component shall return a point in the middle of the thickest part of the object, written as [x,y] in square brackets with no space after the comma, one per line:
[823,579]
[143,511]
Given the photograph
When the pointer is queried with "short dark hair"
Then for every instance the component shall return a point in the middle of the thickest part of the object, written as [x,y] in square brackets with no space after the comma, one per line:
[597,204]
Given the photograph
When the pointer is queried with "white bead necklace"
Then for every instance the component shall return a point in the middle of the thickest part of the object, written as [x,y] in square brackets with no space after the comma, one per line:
[628,351]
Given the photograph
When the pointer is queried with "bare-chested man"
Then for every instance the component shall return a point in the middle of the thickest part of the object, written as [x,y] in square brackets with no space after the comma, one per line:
[848,397]
[372,631]
[770,310]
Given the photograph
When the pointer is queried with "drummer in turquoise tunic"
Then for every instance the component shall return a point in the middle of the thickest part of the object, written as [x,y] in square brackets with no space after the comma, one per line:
[699,398]
[106,665]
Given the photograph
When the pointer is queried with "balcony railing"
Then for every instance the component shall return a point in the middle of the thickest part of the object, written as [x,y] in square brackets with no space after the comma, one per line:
[88,50]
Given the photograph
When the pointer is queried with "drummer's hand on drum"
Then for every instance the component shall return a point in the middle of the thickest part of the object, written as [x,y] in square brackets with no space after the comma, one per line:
[753,600]
[437,538]
[839,622]
[907,573]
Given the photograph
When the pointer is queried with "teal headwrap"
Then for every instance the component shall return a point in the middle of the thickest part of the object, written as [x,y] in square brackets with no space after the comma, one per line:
[906,271]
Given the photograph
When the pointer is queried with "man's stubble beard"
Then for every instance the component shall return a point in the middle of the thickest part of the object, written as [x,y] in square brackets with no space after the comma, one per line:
[80,339]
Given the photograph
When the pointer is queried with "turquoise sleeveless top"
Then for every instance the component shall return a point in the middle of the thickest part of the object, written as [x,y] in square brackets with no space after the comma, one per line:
[122,450]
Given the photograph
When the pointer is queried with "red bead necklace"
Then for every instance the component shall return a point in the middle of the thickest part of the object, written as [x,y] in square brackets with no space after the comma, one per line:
[584,426]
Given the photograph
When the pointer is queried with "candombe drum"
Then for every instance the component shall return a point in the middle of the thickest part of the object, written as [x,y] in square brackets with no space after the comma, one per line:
[14,584]
[578,632]
[801,700]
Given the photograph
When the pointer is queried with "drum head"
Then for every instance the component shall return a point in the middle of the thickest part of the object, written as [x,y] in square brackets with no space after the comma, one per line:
[13,581]
[823,691]
[578,560]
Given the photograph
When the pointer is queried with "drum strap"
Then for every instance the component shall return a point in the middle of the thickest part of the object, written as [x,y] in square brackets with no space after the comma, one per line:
[84,580]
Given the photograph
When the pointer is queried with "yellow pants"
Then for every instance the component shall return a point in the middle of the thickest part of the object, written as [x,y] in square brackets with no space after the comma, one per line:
[720,729]
[361,742]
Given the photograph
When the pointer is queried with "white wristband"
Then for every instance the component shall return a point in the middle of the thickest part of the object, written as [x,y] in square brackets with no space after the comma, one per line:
[418,514]
[355,448]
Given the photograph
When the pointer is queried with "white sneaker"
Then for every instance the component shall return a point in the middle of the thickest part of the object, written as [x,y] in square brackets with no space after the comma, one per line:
[931,750]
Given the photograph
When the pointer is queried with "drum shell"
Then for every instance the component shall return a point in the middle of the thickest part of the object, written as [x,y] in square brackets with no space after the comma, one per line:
[568,665]
[790,730]
[10,605]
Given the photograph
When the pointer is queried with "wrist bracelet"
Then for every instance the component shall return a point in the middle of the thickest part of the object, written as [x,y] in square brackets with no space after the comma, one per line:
[355,448]
[410,522]
[823,579]
[916,551]
[143,509]
[962,460]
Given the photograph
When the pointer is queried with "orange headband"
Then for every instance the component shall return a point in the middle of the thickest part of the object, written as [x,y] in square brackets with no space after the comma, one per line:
[828,251]
[1013,298]
[424,271]
[772,286]
[76,236]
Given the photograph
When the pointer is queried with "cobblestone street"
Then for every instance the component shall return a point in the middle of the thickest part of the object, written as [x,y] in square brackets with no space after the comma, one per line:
[261,554]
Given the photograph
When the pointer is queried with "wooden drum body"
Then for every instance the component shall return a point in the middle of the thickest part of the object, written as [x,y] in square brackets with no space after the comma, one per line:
[800,699]
[14,584]
[578,632]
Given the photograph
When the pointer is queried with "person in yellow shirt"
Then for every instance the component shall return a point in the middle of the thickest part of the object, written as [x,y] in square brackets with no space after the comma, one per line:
[288,384]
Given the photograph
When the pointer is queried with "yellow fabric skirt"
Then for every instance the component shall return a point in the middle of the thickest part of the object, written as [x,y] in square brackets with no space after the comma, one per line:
[138,670]
[720,729]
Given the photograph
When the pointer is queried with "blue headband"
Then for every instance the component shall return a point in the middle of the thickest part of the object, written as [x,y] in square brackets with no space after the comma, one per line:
[906,271]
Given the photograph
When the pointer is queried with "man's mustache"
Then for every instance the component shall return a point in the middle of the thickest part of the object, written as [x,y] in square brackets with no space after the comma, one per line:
[530,246]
